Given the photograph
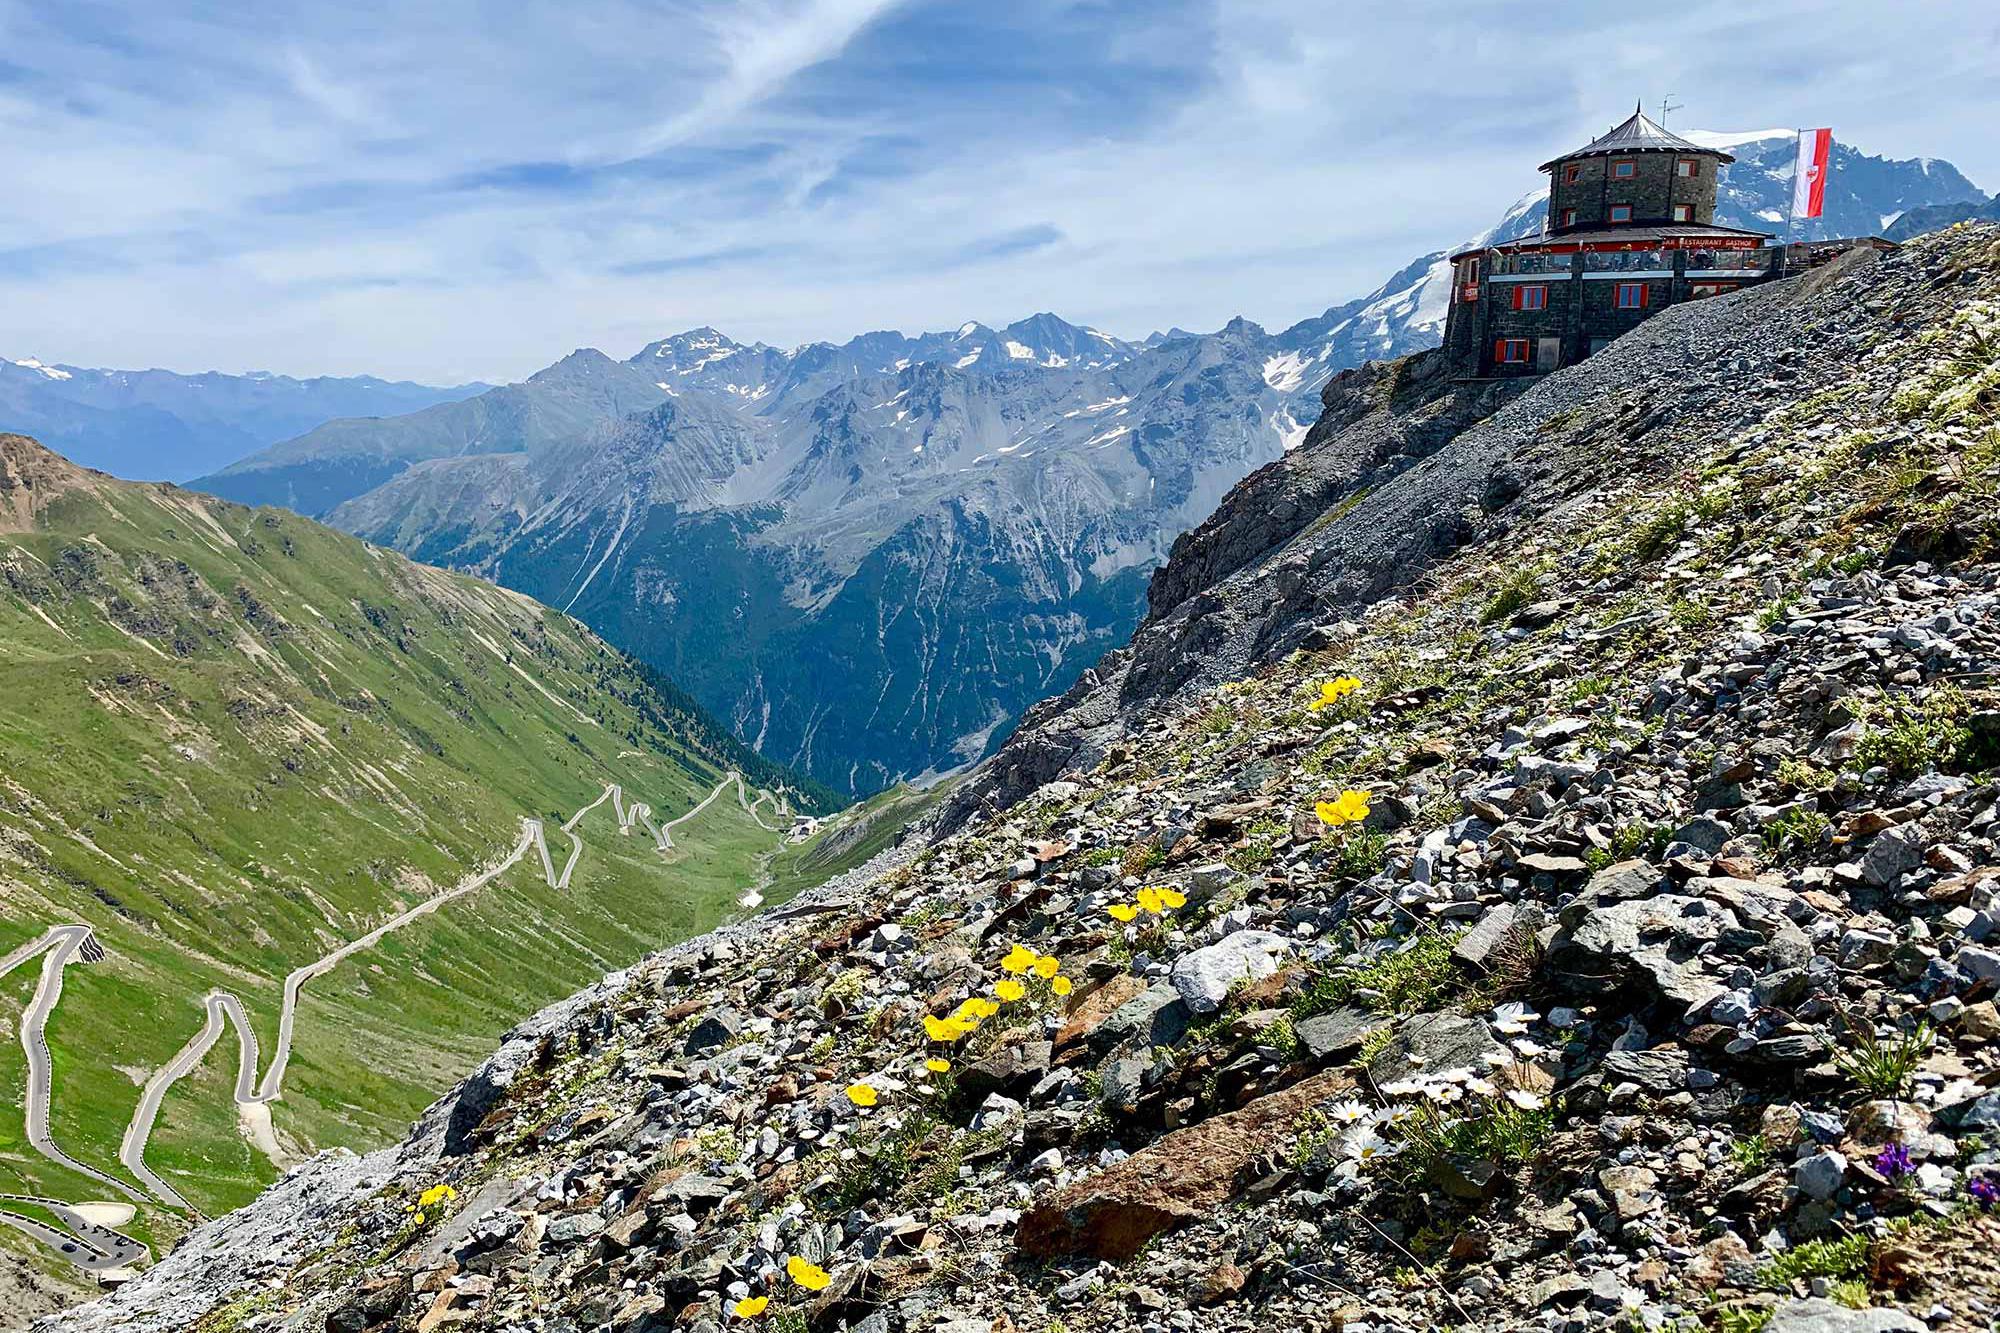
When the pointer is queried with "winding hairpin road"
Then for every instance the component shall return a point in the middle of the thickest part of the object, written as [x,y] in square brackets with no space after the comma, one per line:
[88,1243]
[60,947]
[63,945]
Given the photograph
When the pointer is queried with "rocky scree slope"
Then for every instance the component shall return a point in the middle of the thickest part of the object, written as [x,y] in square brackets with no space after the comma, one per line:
[1654,988]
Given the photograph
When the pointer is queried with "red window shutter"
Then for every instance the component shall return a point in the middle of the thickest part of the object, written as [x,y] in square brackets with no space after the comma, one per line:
[1645,293]
[1515,297]
[1500,351]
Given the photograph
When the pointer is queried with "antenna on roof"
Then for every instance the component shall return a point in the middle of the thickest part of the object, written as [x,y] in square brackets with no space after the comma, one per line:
[1667,107]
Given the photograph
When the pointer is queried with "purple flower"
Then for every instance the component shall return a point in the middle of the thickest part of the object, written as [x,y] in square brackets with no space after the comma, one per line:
[1983,1191]
[1894,1162]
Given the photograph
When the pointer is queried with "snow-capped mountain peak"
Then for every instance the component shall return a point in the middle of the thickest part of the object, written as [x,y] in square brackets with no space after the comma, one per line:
[41,368]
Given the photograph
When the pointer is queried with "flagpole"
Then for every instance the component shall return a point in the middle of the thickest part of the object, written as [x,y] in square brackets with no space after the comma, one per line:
[1792,201]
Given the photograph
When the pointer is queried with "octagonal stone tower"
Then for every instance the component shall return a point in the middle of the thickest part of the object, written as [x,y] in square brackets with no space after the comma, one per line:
[1637,174]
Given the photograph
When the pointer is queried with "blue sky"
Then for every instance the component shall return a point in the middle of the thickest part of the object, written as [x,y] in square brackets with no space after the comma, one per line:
[470,189]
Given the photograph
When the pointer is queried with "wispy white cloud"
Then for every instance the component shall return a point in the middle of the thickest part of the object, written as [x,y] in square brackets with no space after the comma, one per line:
[426,190]
[763,44]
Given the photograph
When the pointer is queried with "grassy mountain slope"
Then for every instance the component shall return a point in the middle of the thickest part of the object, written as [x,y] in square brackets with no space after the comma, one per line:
[232,740]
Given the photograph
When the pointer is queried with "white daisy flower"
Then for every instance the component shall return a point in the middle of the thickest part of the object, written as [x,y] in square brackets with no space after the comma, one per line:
[1524,1099]
[1349,1112]
[1529,1048]
[1368,1147]
[1483,1086]
[1497,1059]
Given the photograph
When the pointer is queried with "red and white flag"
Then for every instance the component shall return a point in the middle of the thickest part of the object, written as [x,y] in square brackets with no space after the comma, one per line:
[1809,176]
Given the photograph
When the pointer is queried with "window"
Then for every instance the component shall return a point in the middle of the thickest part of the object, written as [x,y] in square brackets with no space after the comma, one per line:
[1631,296]
[1621,212]
[1684,212]
[1701,289]
[1531,296]
[1568,217]
[1511,351]
[1572,174]
[1688,168]
[1624,171]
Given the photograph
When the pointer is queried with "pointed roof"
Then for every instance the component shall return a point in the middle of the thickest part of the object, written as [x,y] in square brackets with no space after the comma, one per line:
[1638,134]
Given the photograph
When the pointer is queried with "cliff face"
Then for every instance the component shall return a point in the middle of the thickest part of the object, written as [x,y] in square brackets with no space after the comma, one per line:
[1543,877]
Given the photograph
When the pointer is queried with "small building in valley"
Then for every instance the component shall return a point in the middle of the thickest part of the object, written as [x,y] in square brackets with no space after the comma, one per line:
[1630,231]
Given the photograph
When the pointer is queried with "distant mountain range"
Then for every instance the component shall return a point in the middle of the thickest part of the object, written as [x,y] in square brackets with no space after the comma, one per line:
[155,425]
[870,557]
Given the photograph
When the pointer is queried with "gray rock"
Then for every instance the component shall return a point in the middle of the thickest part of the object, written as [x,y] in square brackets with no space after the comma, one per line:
[575,1227]
[1894,853]
[1817,1315]
[1155,1017]
[1011,1069]
[1819,1176]
[1659,1071]
[1203,978]
[1654,938]
[1703,832]
[1432,1044]
[1124,1080]
[1340,1032]
[715,1029]
[1476,946]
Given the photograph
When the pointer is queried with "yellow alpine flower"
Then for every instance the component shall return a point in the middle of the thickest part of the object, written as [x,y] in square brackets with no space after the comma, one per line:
[1122,911]
[436,1195]
[1009,990]
[861,1094]
[1061,986]
[1019,960]
[1150,900]
[972,1011]
[1350,808]
[939,1029]
[808,1275]
[1333,691]
[938,1066]
[752,1307]
[1172,899]
[1047,966]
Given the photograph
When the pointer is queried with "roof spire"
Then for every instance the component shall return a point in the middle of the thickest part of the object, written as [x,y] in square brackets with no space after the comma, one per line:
[1639,107]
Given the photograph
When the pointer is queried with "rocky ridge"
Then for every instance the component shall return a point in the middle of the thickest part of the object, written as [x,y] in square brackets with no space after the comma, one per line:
[1553,887]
